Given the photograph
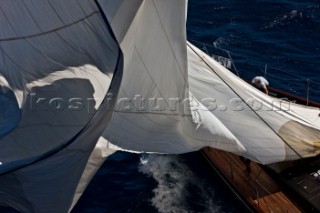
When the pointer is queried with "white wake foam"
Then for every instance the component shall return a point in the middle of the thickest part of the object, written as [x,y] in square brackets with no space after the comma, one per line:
[285,19]
[174,182]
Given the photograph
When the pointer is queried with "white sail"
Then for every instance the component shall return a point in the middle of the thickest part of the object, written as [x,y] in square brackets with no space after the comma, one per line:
[152,112]
[59,57]
[270,130]
[88,75]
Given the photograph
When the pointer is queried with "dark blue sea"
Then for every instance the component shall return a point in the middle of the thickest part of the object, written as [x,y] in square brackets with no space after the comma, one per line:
[279,39]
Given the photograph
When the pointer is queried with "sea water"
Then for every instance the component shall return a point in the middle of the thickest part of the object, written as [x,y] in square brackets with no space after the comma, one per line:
[272,38]
[157,183]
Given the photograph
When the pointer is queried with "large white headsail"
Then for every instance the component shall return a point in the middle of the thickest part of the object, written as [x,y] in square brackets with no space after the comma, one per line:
[153,106]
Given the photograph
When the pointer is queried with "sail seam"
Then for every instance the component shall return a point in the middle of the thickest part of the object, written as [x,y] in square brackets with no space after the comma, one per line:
[32,17]
[50,31]
[174,55]
[148,72]
[55,11]
[113,88]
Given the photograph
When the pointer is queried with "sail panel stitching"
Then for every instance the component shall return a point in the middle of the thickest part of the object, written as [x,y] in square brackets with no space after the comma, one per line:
[50,31]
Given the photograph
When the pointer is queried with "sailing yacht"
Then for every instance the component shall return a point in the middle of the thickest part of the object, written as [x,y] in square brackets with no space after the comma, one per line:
[81,79]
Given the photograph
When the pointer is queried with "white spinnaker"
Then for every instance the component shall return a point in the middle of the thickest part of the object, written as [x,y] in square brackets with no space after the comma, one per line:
[42,58]
[59,58]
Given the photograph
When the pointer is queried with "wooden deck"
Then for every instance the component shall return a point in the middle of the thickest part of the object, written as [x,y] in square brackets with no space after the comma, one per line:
[258,189]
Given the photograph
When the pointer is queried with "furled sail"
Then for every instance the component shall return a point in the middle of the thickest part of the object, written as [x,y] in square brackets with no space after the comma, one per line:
[83,76]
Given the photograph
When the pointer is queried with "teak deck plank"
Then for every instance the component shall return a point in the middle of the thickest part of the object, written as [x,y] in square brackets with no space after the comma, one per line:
[257,188]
